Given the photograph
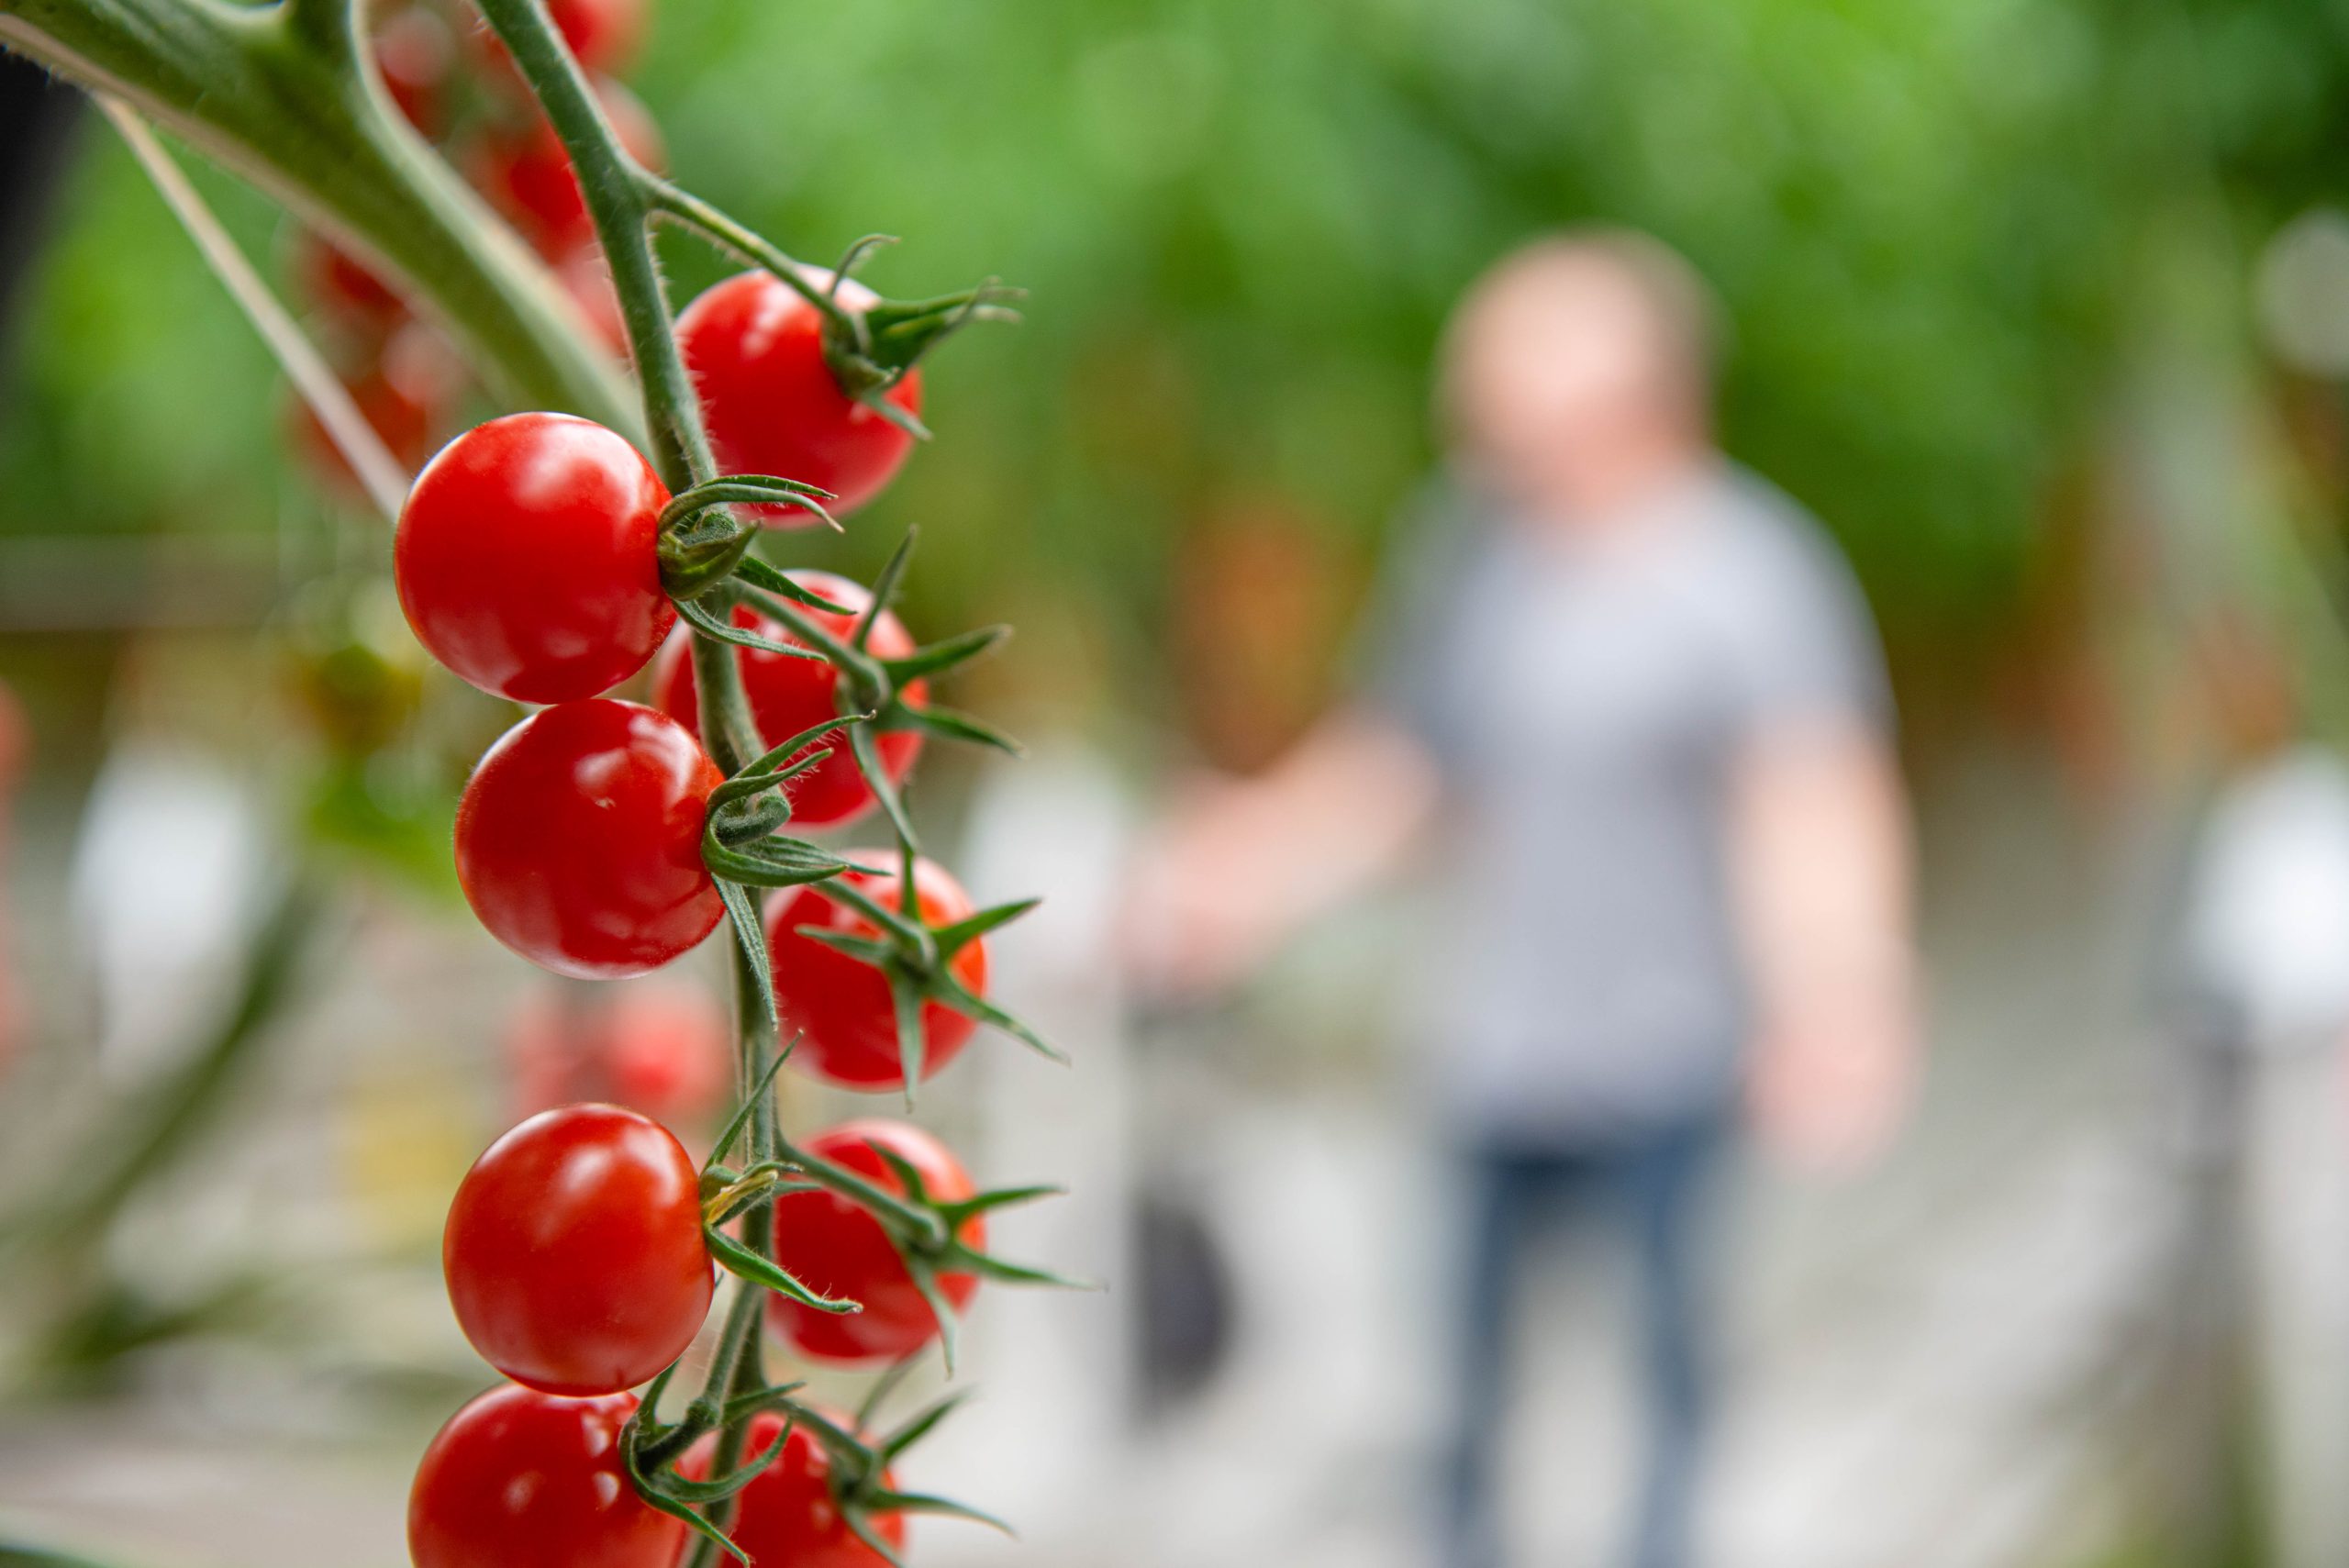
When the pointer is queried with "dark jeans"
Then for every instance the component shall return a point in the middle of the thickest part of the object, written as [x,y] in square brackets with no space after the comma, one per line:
[1654,1186]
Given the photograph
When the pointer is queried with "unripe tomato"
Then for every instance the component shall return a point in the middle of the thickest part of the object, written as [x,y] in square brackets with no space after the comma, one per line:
[574,1251]
[789,695]
[520,1479]
[579,839]
[756,351]
[528,558]
[789,1516]
[840,1006]
[836,1248]
[528,175]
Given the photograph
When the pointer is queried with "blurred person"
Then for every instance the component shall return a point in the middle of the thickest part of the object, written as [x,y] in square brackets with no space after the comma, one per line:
[1635,699]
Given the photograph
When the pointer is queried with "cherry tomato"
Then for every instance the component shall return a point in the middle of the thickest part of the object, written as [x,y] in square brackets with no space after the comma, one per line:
[663,1050]
[789,1516]
[345,288]
[412,51]
[789,695]
[756,351]
[603,34]
[520,1479]
[579,839]
[574,1254]
[840,1006]
[405,391]
[836,1248]
[526,174]
[528,558]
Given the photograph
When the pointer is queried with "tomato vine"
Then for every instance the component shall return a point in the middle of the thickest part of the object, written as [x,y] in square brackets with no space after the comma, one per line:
[599,838]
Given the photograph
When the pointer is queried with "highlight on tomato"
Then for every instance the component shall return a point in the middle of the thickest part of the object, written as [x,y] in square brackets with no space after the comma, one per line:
[574,1251]
[789,696]
[579,839]
[756,353]
[521,1479]
[839,1006]
[528,558]
[836,1248]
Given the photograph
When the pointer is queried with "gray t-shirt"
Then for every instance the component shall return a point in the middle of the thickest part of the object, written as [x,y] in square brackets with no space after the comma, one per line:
[1585,697]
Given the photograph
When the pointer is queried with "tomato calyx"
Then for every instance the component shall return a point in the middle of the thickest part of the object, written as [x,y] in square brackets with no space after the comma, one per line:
[703,541]
[927,1230]
[857,1463]
[870,349]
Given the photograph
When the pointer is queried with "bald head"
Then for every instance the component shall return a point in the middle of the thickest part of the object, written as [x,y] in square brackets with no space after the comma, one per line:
[1578,369]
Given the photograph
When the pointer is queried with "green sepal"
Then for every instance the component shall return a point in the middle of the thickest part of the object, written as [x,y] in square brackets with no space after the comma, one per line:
[671,1484]
[854,1519]
[674,1509]
[913,1038]
[944,654]
[710,626]
[947,989]
[884,590]
[739,1259]
[760,574]
[742,913]
[919,1426]
[876,778]
[950,724]
[862,949]
[748,489]
[1000,1197]
[744,1406]
[924,1277]
[953,938]
[741,1117]
[882,1500]
[769,862]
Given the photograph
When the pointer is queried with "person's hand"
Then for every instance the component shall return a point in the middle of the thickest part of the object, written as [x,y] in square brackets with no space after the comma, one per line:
[1198,915]
[1831,1083]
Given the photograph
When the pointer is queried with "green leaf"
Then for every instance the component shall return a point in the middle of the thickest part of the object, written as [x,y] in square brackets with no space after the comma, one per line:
[739,1259]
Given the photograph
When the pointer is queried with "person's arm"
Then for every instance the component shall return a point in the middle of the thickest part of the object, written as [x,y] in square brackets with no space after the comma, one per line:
[1242,864]
[1820,848]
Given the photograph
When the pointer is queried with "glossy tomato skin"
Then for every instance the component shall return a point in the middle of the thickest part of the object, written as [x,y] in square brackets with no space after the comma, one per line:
[756,351]
[839,1006]
[579,839]
[574,1251]
[528,175]
[788,1518]
[519,1479]
[528,558]
[832,1245]
[789,695]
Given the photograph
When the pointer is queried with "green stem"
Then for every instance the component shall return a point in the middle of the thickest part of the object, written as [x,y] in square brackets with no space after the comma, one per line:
[285,95]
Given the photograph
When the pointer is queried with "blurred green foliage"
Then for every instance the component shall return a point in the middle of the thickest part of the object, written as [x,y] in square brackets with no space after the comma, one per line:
[1243,223]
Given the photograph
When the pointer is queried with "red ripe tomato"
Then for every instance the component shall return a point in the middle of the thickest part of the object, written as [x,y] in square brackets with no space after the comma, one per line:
[579,839]
[520,1479]
[836,1248]
[528,175]
[405,393]
[663,1050]
[603,34]
[840,1006]
[789,695]
[756,351]
[789,1516]
[574,1251]
[412,53]
[528,558]
[344,287]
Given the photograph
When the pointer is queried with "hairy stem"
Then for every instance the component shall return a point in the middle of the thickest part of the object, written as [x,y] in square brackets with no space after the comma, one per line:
[285,94]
